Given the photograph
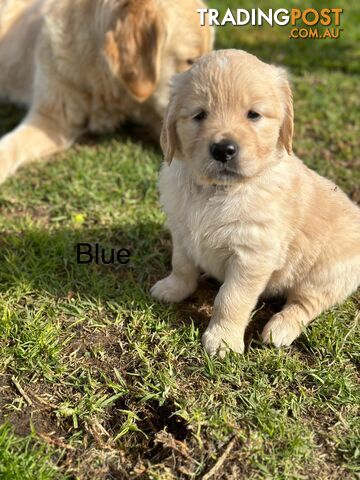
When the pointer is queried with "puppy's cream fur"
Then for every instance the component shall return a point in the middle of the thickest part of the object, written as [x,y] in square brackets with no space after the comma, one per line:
[263,223]
[89,65]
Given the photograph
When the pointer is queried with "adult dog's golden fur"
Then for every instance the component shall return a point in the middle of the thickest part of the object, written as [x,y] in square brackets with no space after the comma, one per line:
[243,208]
[89,65]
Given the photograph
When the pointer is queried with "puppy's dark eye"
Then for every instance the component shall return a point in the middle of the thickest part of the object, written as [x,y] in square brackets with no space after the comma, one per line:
[252,115]
[199,117]
[190,61]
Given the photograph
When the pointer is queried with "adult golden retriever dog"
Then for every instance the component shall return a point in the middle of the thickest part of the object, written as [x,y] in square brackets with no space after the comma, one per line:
[88,65]
[243,208]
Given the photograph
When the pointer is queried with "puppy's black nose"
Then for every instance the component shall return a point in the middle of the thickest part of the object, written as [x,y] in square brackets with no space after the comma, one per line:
[224,151]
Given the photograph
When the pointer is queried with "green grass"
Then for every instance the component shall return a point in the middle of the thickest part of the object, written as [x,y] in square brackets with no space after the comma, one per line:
[23,458]
[98,381]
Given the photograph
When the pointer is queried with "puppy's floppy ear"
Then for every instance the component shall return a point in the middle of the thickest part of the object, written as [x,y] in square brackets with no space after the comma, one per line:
[168,139]
[134,48]
[287,127]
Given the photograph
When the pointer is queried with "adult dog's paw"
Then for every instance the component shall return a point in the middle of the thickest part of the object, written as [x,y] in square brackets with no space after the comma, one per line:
[5,170]
[172,289]
[281,330]
[218,340]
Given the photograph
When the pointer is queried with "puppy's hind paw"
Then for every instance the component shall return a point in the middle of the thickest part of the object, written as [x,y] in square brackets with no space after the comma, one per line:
[281,331]
[172,289]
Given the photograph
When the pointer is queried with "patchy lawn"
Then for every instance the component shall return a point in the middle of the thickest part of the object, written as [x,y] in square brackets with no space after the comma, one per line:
[98,381]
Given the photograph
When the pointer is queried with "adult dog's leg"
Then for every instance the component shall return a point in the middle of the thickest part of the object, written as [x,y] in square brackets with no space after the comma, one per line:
[36,137]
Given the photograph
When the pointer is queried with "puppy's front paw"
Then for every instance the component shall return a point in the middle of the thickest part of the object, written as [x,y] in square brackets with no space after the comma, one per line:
[281,330]
[173,289]
[218,340]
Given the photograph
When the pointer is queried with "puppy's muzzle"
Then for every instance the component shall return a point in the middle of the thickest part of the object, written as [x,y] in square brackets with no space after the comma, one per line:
[224,151]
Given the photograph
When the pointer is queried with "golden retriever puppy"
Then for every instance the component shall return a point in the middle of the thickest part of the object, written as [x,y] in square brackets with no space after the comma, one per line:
[87,65]
[243,208]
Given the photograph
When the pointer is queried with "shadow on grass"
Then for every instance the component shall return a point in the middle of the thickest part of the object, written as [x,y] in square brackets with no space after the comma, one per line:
[39,262]
[46,261]
[10,117]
